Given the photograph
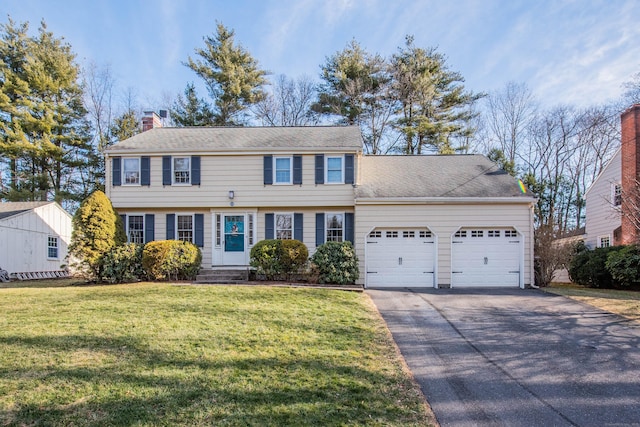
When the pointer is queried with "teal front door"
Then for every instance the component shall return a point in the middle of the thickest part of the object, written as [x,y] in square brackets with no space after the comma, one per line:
[234,240]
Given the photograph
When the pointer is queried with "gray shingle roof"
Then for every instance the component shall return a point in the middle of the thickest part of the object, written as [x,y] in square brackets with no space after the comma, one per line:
[8,209]
[230,139]
[434,176]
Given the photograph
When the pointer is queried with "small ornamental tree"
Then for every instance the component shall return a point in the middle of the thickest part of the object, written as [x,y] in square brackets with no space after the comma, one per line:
[96,230]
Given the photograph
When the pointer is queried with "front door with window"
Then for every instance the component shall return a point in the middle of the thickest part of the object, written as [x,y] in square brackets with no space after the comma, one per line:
[234,242]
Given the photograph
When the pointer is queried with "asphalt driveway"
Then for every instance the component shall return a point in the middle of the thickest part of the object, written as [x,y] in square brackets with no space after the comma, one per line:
[516,357]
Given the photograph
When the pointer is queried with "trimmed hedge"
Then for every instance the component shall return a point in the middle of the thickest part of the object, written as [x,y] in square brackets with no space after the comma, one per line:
[336,263]
[171,259]
[276,258]
[123,264]
[624,266]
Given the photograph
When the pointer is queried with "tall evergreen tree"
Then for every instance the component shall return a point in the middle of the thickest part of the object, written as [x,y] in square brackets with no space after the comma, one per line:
[232,76]
[434,103]
[191,110]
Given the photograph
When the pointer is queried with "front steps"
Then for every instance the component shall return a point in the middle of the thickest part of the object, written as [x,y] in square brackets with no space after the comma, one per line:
[223,275]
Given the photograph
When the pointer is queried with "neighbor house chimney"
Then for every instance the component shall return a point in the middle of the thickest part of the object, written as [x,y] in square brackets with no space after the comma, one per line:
[150,120]
[630,147]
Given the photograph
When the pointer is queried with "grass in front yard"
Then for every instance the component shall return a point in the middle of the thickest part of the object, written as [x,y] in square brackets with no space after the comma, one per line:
[623,303]
[151,354]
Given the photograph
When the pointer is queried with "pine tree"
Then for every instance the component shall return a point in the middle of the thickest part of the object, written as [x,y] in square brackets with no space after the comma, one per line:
[231,74]
[191,110]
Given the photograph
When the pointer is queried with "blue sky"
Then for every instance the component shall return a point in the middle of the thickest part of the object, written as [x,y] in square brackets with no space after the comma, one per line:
[576,52]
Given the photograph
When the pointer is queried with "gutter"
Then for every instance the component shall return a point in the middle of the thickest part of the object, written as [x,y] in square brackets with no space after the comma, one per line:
[442,200]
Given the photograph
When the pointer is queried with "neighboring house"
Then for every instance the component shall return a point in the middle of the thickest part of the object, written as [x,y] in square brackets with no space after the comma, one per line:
[35,237]
[431,221]
[613,197]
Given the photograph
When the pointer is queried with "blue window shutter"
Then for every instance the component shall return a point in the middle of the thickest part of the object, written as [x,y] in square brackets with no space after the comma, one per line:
[319,168]
[298,226]
[269,226]
[116,171]
[268,170]
[348,169]
[149,228]
[195,170]
[124,222]
[349,225]
[166,170]
[171,226]
[297,170]
[199,230]
[145,170]
[320,237]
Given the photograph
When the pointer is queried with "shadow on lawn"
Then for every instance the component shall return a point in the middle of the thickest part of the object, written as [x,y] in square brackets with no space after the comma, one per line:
[143,385]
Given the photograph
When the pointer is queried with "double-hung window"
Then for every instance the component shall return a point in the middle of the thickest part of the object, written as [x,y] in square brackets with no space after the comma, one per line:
[52,247]
[184,228]
[335,170]
[284,226]
[135,228]
[335,227]
[181,170]
[282,170]
[131,171]
[617,194]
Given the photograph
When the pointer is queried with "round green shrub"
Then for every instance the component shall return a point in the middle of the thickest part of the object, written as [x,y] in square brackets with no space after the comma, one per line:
[624,266]
[266,257]
[294,256]
[588,268]
[336,263]
[171,259]
[123,264]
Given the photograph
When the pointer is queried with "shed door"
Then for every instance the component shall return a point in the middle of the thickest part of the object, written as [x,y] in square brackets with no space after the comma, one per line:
[400,258]
[486,257]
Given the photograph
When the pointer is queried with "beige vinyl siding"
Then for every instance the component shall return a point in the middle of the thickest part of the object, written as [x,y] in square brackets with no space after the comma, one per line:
[601,216]
[444,221]
[219,175]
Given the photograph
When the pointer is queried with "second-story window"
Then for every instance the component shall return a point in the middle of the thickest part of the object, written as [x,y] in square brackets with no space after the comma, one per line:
[617,194]
[334,170]
[131,171]
[181,170]
[282,170]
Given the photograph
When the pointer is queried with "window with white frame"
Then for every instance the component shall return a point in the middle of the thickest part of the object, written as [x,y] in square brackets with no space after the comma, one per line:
[52,247]
[181,170]
[616,194]
[218,229]
[282,170]
[335,231]
[284,226]
[135,228]
[131,171]
[184,228]
[604,241]
[335,170]
[251,227]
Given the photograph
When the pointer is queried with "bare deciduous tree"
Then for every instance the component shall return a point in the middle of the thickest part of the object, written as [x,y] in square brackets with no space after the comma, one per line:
[288,103]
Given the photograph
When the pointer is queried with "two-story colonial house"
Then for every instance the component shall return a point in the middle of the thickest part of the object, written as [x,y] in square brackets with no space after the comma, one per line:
[435,221]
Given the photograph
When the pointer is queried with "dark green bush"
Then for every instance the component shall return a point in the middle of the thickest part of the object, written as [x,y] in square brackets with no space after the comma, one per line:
[336,263]
[294,256]
[266,257]
[588,268]
[123,264]
[624,266]
[171,259]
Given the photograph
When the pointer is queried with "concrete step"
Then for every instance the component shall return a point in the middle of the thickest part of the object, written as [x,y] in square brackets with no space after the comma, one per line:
[219,275]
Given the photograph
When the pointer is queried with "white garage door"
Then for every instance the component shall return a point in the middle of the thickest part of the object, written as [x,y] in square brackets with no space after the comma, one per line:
[400,258]
[485,257]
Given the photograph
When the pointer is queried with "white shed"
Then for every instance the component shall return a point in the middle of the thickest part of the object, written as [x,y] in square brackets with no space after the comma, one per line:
[34,237]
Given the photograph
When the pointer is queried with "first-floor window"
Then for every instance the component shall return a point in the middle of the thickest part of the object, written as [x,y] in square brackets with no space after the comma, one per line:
[335,227]
[284,226]
[52,247]
[185,227]
[135,229]
[605,242]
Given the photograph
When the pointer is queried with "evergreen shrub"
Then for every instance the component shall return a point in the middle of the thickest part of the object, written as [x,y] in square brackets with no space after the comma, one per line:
[171,259]
[336,263]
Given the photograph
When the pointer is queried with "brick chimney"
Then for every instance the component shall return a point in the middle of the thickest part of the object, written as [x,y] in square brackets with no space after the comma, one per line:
[150,120]
[630,143]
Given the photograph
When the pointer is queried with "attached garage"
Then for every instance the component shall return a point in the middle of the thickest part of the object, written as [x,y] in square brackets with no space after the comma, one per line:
[486,257]
[400,258]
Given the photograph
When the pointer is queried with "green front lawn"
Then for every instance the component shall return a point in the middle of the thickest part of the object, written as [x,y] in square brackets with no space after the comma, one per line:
[158,354]
[621,302]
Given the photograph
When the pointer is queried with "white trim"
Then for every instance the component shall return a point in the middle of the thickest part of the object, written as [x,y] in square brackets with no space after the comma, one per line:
[275,169]
[193,225]
[604,236]
[275,224]
[444,200]
[326,169]
[123,171]
[173,171]
[51,236]
[126,225]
